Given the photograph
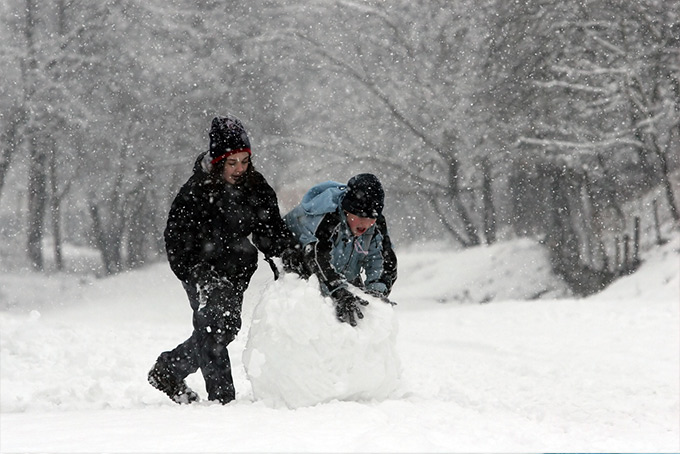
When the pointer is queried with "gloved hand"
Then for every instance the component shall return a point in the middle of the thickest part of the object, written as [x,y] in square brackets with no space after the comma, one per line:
[347,306]
[293,261]
[382,297]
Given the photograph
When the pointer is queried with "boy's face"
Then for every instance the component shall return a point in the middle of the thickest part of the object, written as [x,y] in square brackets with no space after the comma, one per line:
[358,225]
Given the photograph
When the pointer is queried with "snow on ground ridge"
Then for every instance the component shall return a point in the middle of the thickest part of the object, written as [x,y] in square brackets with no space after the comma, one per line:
[597,374]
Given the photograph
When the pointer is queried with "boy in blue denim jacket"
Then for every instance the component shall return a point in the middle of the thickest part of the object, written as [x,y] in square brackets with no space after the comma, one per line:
[342,234]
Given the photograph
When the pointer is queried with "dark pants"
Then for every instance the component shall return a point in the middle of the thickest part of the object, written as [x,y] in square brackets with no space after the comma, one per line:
[217,321]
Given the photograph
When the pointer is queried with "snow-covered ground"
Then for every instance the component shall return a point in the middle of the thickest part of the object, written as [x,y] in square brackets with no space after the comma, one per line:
[513,374]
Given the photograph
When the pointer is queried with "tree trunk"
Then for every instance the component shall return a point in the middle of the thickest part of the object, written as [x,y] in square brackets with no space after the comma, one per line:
[668,188]
[471,232]
[443,215]
[9,141]
[37,202]
[489,209]
[37,180]
[109,249]
[140,222]
[595,226]
[56,235]
[561,235]
[55,212]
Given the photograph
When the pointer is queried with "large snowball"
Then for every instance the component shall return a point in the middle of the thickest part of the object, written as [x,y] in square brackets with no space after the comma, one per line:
[298,354]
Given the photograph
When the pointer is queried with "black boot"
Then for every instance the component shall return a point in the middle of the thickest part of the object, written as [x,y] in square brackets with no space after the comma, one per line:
[177,390]
[215,327]
[216,369]
[223,394]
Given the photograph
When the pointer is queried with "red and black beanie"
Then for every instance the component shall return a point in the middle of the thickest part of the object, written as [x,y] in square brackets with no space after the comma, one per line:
[227,136]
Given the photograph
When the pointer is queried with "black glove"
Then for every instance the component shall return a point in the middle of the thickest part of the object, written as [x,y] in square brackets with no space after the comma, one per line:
[293,261]
[347,306]
[382,297]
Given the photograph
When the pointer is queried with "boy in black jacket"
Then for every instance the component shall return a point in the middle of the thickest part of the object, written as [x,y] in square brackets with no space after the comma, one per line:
[222,203]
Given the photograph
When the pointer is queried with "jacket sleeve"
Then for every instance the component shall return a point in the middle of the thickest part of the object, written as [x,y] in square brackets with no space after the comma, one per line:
[317,254]
[181,238]
[270,233]
[389,266]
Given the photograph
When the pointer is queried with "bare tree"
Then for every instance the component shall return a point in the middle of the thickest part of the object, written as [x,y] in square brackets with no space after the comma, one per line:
[593,87]
[37,162]
[10,138]
[406,69]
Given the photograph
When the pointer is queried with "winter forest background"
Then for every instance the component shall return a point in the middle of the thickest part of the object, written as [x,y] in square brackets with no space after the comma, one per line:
[485,119]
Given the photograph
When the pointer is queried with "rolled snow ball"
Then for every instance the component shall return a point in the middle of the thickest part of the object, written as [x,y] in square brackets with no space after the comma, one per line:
[298,354]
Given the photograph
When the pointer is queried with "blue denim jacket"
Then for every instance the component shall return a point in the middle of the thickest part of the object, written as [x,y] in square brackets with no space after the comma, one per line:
[350,255]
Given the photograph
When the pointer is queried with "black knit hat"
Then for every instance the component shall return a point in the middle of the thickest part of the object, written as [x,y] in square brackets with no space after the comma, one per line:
[364,197]
[227,136]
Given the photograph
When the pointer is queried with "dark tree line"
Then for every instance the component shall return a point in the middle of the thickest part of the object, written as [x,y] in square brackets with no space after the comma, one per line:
[601,99]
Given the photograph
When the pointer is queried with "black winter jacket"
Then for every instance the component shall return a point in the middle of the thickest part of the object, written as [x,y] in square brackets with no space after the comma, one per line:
[206,237]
